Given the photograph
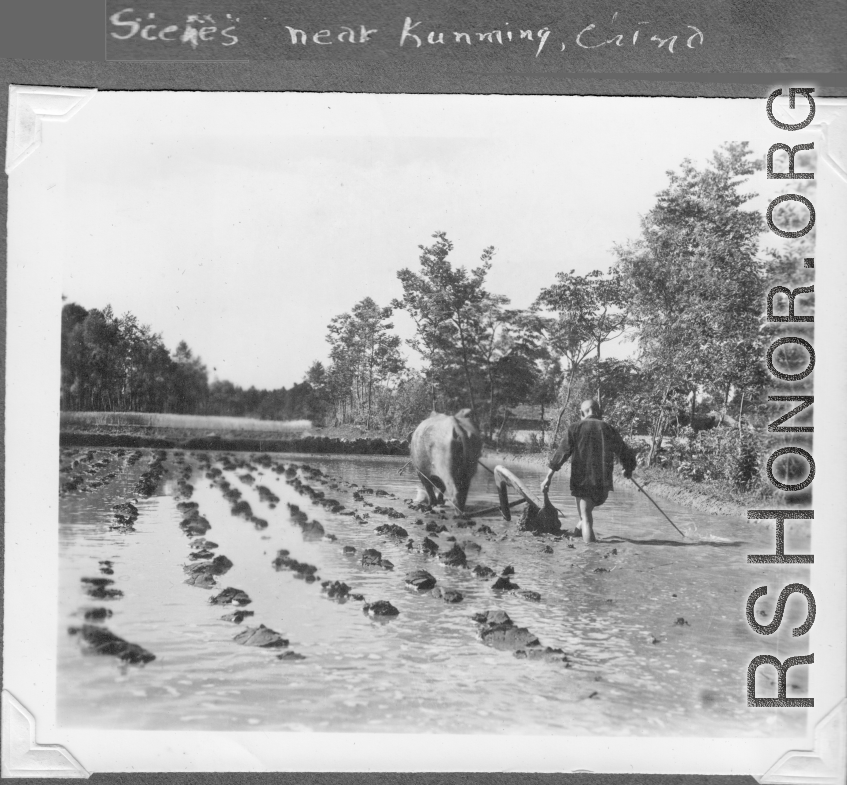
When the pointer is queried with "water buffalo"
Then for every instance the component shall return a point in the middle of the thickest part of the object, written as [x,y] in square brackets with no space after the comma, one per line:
[445,451]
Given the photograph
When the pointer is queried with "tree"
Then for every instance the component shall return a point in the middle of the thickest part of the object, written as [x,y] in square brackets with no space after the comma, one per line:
[403,405]
[318,380]
[589,311]
[190,380]
[546,390]
[364,352]
[119,364]
[786,267]
[225,398]
[452,312]
[503,349]
[296,403]
[693,279]
[516,364]
[74,356]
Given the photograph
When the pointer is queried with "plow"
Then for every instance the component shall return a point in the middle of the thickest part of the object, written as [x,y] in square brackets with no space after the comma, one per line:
[538,515]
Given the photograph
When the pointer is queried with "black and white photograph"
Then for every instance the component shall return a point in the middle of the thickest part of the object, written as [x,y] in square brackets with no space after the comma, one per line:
[387,417]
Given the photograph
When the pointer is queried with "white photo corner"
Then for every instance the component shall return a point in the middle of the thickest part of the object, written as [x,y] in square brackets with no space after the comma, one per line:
[301,390]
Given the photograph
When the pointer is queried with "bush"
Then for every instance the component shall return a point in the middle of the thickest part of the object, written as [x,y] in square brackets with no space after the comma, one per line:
[743,468]
[718,455]
[640,448]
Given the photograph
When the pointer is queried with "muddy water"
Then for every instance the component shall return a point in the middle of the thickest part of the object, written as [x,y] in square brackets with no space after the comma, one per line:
[612,607]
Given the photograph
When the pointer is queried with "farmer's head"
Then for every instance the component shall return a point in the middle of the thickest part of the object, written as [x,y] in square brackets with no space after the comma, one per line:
[589,408]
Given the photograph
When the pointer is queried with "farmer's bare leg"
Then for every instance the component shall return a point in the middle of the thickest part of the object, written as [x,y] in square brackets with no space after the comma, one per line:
[586,519]
[578,526]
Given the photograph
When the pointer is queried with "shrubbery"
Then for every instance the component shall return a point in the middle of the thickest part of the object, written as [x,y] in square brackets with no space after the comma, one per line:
[719,455]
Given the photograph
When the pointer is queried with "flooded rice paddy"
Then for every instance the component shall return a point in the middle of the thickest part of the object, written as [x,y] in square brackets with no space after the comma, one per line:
[646,631]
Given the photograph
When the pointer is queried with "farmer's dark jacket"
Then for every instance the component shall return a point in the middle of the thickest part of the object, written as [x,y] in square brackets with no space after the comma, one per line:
[592,445]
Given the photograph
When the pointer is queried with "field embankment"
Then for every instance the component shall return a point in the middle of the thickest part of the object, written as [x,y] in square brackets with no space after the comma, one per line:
[197,432]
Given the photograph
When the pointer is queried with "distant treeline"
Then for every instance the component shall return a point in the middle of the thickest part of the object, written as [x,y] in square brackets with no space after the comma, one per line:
[116,364]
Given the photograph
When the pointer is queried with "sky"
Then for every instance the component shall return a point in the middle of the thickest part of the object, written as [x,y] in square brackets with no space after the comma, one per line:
[243,222]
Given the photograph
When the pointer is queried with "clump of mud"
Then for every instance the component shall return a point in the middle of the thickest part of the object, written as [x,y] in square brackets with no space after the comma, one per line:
[149,480]
[420,580]
[371,557]
[125,515]
[336,590]
[99,640]
[380,608]
[262,637]
[455,557]
[98,588]
[267,495]
[203,574]
[302,570]
[230,596]
[290,656]
[236,616]
[392,530]
[448,595]
[497,630]
[389,512]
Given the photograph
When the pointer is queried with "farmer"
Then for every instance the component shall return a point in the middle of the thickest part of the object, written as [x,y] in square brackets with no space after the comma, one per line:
[592,445]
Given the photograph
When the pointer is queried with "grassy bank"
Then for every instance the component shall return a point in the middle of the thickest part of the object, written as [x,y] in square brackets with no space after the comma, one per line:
[189,426]
[190,432]
[146,421]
